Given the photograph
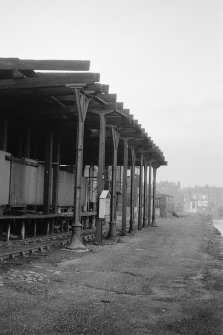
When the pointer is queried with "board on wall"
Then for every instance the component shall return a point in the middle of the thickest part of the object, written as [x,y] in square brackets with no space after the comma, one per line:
[27,182]
[4,178]
[66,189]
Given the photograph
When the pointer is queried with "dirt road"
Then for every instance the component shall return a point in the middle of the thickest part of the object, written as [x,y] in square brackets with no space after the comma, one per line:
[163,280]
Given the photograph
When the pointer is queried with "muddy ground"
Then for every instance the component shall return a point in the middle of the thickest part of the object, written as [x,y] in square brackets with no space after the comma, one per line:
[163,280]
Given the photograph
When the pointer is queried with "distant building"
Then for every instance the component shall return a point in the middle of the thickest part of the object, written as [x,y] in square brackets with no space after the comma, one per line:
[206,199]
[164,204]
[197,199]
[174,190]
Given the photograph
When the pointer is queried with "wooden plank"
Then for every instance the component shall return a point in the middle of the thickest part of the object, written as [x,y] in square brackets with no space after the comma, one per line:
[49,64]
[96,107]
[118,122]
[98,88]
[117,114]
[53,79]
[43,216]
[88,77]
[100,101]
[119,105]
[88,214]
[127,112]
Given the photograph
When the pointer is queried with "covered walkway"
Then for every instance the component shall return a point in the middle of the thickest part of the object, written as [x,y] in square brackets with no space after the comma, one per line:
[62,137]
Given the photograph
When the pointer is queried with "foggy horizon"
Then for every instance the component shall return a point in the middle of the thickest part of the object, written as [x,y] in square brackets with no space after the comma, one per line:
[188,186]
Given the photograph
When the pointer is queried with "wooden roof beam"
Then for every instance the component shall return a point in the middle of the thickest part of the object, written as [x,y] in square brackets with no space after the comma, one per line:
[104,99]
[88,77]
[100,101]
[49,64]
[98,88]
[96,107]
[76,79]
[119,105]
[107,97]
[126,112]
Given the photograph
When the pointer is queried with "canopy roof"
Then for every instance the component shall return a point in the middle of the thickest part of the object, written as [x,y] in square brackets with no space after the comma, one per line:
[45,100]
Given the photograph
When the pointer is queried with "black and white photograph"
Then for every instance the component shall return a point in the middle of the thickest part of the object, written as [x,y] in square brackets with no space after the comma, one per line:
[111,167]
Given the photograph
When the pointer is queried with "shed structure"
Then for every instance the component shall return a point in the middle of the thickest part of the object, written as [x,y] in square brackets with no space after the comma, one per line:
[57,123]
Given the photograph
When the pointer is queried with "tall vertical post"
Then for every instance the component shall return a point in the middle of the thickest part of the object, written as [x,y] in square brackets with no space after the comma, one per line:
[124,185]
[154,197]
[4,134]
[132,215]
[112,224]
[101,168]
[140,191]
[149,193]
[56,170]
[91,182]
[82,105]
[48,172]
[145,197]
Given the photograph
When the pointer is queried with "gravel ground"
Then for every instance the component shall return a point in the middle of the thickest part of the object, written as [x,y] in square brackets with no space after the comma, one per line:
[163,280]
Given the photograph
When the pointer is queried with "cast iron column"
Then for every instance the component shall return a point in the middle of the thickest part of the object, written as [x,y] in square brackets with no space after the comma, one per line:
[124,185]
[48,172]
[154,197]
[140,192]
[101,168]
[82,105]
[149,195]
[56,170]
[145,198]
[132,214]
[112,228]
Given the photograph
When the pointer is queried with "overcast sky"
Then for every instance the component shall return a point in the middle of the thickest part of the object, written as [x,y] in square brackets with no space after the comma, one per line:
[163,58]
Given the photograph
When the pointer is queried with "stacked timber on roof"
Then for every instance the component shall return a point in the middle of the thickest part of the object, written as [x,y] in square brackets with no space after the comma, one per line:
[47,98]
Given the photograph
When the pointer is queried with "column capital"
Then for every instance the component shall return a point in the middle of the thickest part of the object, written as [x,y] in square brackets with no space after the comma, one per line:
[102,112]
[82,101]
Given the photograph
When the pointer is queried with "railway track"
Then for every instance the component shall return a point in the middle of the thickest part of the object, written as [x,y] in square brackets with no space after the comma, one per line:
[31,246]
